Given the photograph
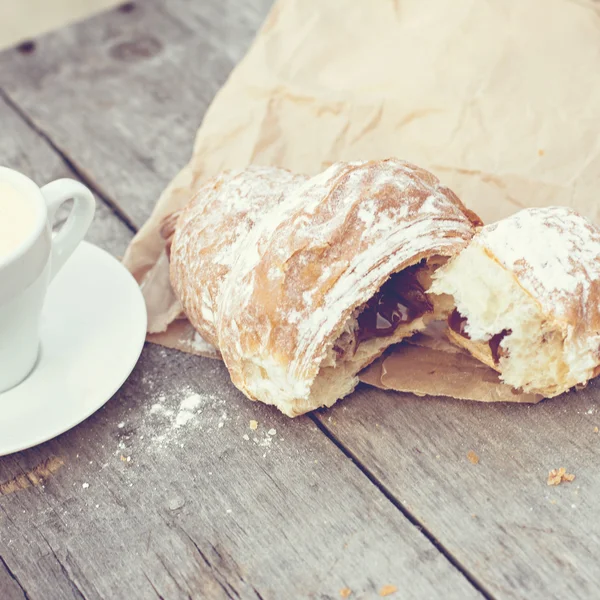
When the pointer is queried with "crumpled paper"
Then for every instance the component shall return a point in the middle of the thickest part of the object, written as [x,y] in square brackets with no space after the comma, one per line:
[499,99]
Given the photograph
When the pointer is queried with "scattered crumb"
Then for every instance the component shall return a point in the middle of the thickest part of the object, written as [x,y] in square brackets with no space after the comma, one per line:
[272,431]
[121,425]
[128,458]
[540,152]
[85,485]
[557,476]
[253,424]
[228,511]
[176,503]
[388,590]
[345,592]
[596,430]
[473,458]
[246,437]
[123,458]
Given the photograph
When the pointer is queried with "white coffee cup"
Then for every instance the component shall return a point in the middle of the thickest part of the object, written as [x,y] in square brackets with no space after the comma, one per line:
[30,261]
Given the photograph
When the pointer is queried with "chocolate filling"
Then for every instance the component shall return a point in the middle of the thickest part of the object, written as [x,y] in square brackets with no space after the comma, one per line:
[494,343]
[400,300]
[457,323]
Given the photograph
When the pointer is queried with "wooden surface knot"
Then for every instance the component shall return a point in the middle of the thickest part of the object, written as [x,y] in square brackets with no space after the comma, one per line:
[138,49]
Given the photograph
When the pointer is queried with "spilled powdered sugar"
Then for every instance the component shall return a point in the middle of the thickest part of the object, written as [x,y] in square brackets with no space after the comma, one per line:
[171,419]
[196,344]
[201,346]
[176,411]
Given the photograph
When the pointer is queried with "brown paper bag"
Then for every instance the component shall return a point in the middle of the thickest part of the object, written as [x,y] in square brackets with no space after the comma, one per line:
[499,99]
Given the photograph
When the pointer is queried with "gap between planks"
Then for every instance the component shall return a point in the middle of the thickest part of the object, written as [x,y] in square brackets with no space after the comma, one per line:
[14,578]
[122,216]
[398,505]
[69,162]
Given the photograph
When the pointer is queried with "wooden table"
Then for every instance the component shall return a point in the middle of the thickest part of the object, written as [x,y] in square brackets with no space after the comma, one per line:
[167,494]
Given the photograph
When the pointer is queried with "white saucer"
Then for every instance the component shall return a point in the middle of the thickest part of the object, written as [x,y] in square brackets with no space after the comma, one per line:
[93,332]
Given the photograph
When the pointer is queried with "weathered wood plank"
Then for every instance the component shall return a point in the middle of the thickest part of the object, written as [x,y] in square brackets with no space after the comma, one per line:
[23,150]
[512,550]
[11,588]
[159,65]
[168,493]
[499,518]
[143,504]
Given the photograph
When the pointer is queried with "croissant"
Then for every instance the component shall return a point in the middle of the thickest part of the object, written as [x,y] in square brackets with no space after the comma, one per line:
[527,294]
[302,282]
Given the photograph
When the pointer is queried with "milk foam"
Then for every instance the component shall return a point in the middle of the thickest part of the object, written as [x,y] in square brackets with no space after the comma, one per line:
[17,218]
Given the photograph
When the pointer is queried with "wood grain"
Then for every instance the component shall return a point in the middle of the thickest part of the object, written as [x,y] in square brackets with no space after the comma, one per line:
[145,508]
[156,500]
[22,149]
[11,588]
[120,97]
[159,65]
[499,519]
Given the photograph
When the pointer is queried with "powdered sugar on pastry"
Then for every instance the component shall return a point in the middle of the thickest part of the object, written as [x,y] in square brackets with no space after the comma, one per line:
[325,249]
[528,292]
[555,253]
[210,232]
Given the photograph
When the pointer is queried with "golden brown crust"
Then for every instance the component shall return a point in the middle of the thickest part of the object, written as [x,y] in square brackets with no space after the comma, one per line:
[323,251]
[208,231]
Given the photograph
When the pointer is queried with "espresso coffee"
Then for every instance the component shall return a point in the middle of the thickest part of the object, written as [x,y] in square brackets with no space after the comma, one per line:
[17,218]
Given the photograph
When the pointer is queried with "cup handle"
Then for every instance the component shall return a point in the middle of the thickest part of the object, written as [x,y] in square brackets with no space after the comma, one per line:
[73,231]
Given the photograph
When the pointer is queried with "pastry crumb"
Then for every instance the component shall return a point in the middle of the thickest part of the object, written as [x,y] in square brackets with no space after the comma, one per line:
[388,590]
[557,476]
[253,424]
[540,152]
[473,458]
[345,592]
[596,430]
